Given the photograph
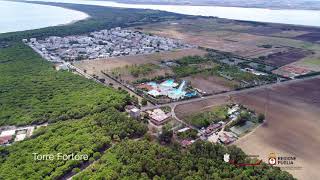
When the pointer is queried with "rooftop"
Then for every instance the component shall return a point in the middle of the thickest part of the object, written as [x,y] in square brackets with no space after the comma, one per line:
[8,133]
[5,139]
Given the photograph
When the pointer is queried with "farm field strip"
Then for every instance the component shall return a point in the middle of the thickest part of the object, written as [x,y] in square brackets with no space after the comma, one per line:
[286,130]
[247,40]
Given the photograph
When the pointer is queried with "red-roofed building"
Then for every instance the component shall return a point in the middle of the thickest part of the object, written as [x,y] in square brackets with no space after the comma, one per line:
[185,143]
[5,140]
[159,117]
[227,137]
[145,86]
[212,128]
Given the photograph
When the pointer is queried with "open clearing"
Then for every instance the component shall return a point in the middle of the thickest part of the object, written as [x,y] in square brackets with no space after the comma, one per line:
[243,44]
[209,84]
[311,37]
[289,44]
[96,66]
[184,110]
[289,131]
[286,57]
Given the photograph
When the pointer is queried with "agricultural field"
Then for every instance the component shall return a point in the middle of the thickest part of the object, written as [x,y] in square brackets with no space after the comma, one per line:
[310,52]
[130,74]
[311,37]
[274,44]
[286,129]
[194,75]
[192,66]
[209,116]
[206,33]
[96,66]
[210,84]
[186,110]
[285,57]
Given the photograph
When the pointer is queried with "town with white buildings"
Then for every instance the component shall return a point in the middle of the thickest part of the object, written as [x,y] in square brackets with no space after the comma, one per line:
[102,44]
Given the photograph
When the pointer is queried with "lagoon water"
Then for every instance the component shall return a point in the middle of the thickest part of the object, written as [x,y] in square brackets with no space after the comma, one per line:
[23,16]
[16,16]
[297,17]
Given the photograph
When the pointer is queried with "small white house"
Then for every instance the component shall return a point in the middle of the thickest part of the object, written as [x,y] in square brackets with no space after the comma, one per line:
[135,113]
[8,133]
[64,66]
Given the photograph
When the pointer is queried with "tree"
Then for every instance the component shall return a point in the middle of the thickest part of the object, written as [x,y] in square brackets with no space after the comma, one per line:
[236,154]
[96,155]
[261,118]
[76,170]
[135,100]
[132,159]
[144,102]
[147,137]
[102,80]
[116,138]
[166,135]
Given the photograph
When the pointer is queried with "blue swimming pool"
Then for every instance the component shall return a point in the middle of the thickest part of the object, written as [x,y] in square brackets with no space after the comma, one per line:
[191,94]
[169,82]
[153,84]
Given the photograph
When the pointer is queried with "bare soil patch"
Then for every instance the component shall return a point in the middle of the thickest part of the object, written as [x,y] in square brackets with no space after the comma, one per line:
[96,66]
[230,37]
[185,110]
[129,78]
[292,127]
[209,84]
[286,57]
[310,37]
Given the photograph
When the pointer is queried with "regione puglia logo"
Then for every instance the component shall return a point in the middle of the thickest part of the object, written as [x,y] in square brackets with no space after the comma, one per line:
[226,157]
[272,159]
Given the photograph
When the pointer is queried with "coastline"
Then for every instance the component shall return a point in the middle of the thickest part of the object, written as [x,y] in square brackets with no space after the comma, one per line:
[213,4]
[56,4]
[73,21]
[78,16]
[70,9]
[263,15]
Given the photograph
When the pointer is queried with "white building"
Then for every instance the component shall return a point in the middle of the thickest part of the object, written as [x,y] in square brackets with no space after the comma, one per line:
[135,113]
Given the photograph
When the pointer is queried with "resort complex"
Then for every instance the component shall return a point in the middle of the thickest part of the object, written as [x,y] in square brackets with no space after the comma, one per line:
[168,88]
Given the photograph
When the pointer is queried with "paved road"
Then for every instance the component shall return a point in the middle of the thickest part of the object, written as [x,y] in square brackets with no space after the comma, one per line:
[116,83]
[81,72]
[174,104]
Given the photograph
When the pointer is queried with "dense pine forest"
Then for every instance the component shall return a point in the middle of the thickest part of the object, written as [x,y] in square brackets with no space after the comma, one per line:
[87,136]
[203,160]
[33,92]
